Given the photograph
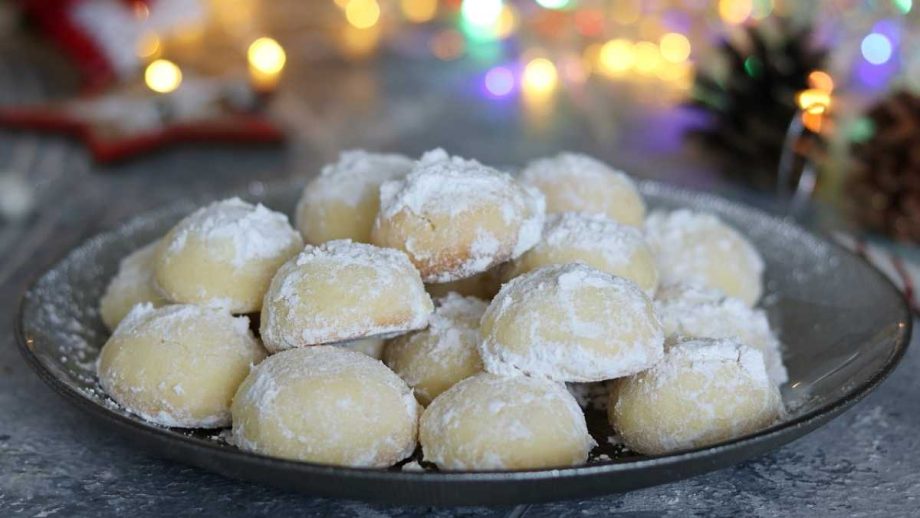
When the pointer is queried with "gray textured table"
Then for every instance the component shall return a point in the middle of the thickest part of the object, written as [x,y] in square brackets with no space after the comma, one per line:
[55,461]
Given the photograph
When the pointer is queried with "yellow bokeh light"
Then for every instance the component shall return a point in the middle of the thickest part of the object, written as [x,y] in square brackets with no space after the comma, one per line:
[675,47]
[648,58]
[162,76]
[540,76]
[266,55]
[507,22]
[362,13]
[148,46]
[735,11]
[821,80]
[813,100]
[419,11]
[616,56]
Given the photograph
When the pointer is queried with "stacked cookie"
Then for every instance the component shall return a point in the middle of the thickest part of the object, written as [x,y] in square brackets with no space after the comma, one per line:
[483,294]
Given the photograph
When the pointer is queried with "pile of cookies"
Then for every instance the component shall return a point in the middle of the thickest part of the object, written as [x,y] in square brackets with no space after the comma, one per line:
[499,305]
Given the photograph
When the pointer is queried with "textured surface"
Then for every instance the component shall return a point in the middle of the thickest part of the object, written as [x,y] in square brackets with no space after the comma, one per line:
[56,462]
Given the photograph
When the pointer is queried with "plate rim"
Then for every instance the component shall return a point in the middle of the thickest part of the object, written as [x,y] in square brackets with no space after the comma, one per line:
[825,412]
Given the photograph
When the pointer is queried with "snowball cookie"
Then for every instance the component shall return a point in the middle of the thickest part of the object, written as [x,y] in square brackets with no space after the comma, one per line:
[178,365]
[226,254]
[482,285]
[703,392]
[490,422]
[372,347]
[697,248]
[327,405]
[340,291]
[132,285]
[688,311]
[434,359]
[342,202]
[595,240]
[577,183]
[456,218]
[571,323]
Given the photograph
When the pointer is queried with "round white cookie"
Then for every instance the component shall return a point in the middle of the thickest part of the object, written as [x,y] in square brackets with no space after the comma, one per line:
[703,392]
[132,285]
[435,358]
[699,248]
[456,218]
[570,323]
[225,254]
[342,202]
[688,311]
[327,405]
[178,365]
[341,291]
[490,422]
[573,182]
[595,240]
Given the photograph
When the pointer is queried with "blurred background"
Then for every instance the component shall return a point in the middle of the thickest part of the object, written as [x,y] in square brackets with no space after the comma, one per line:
[108,107]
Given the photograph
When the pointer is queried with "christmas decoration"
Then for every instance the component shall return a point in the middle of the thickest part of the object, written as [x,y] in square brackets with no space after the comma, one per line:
[751,107]
[885,180]
[130,120]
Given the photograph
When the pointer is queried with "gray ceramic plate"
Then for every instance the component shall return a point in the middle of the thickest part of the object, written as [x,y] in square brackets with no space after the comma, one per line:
[843,324]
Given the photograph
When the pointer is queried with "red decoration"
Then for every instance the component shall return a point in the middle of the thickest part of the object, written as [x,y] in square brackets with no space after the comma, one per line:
[108,144]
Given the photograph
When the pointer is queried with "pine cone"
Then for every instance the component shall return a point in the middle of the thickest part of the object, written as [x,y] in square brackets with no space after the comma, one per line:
[750,110]
[885,180]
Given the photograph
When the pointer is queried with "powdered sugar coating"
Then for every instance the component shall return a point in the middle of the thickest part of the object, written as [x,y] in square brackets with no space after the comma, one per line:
[699,248]
[593,239]
[688,311]
[225,253]
[326,404]
[704,391]
[435,358]
[571,323]
[178,365]
[132,285]
[456,218]
[491,422]
[341,291]
[342,202]
[573,182]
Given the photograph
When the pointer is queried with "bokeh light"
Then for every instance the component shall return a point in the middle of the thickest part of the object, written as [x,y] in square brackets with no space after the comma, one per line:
[266,55]
[553,4]
[648,58]
[499,81]
[362,14]
[735,11]
[616,56]
[148,46]
[876,48]
[507,22]
[481,12]
[814,100]
[419,11]
[162,76]
[903,6]
[675,47]
[540,76]
[821,80]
